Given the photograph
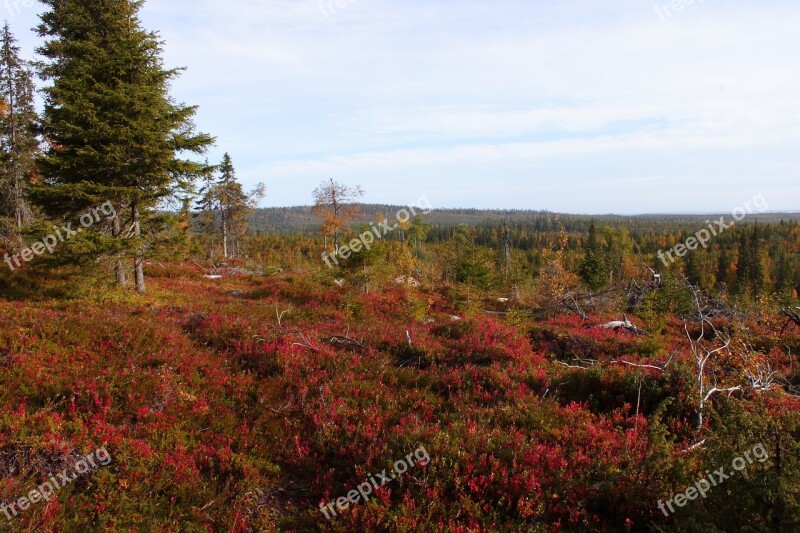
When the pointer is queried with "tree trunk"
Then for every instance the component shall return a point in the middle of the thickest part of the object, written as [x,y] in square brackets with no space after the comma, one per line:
[138,262]
[16,179]
[119,267]
[506,251]
[224,235]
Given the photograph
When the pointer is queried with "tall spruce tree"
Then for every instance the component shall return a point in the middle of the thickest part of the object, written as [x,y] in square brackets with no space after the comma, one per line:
[234,206]
[19,144]
[723,266]
[783,273]
[114,132]
[206,207]
[692,269]
[758,281]
[744,265]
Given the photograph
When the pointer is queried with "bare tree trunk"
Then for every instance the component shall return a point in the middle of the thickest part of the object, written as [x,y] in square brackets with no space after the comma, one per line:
[506,251]
[119,267]
[21,211]
[224,235]
[138,262]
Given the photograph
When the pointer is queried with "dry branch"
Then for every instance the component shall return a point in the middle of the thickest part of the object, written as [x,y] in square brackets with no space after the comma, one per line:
[626,325]
[793,317]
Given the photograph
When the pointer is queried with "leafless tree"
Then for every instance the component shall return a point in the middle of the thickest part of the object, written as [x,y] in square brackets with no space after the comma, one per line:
[755,373]
[337,205]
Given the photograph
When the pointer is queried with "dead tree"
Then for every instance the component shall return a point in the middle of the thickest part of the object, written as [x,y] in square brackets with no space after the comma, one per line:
[570,302]
[755,373]
[637,291]
[793,317]
[704,353]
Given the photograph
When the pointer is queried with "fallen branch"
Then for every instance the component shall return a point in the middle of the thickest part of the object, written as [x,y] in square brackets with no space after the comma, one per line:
[342,339]
[571,303]
[281,408]
[625,324]
[623,362]
[590,362]
[714,390]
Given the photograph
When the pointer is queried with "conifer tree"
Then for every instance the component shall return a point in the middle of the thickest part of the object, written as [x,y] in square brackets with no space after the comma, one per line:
[234,206]
[693,269]
[19,144]
[114,132]
[758,282]
[723,266]
[744,265]
[783,273]
[592,269]
[206,208]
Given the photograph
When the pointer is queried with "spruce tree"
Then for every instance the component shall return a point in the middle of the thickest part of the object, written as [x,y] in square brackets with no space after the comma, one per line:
[19,144]
[758,282]
[723,265]
[592,269]
[234,206]
[206,208]
[783,273]
[114,132]
[744,265]
[692,269]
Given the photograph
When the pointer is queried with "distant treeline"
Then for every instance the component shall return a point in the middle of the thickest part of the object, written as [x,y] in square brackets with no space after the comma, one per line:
[759,254]
[301,220]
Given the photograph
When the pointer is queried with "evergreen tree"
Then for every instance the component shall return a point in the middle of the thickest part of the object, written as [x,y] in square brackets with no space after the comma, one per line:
[693,269]
[19,145]
[744,265]
[234,206]
[783,273]
[114,132]
[206,208]
[592,269]
[723,266]
[758,281]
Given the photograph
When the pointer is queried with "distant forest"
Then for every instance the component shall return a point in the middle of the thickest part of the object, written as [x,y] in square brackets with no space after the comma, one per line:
[760,254]
[301,220]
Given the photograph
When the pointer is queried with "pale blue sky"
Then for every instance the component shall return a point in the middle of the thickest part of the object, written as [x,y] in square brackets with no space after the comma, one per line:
[568,105]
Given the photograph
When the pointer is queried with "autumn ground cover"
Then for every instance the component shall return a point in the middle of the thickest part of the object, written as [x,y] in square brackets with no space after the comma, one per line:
[243,404]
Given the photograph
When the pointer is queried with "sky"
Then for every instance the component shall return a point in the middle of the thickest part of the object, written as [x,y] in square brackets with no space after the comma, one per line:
[573,106]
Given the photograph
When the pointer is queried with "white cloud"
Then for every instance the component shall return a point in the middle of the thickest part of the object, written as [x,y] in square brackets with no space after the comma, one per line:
[527,96]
